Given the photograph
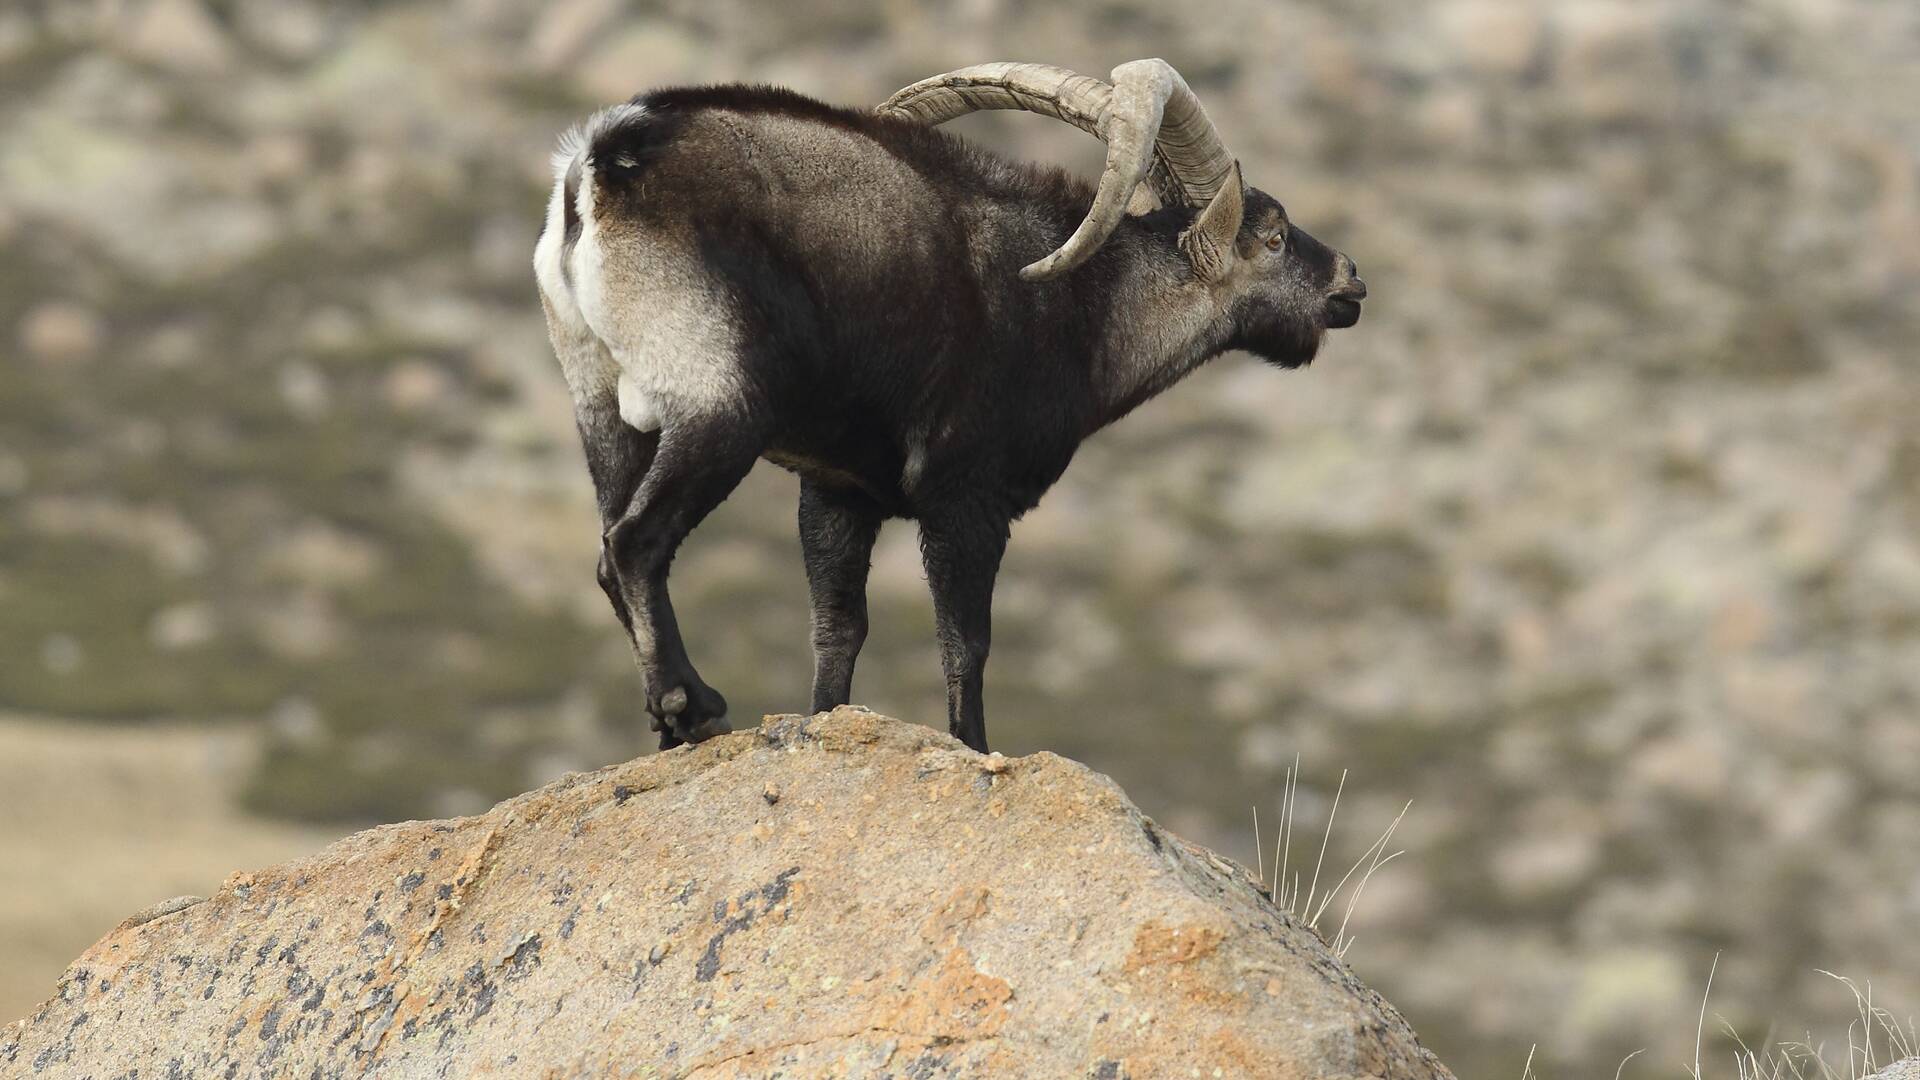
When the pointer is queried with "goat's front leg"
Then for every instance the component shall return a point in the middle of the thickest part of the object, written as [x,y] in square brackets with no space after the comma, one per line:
[697,466]
[837,530]
[962,551]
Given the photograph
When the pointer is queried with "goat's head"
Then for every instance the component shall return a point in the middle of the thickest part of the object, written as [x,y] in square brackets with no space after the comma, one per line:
[1281,288]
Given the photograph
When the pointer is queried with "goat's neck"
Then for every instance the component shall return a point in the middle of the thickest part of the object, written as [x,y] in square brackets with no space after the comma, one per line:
[1161,324]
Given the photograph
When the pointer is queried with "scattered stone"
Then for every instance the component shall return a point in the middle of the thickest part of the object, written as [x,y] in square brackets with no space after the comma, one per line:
[292,29]
[305,390]
[179,35]
[668,53]
[60,331]
[566,29]
[1494,36]
[14,474]
[297,722]
[415,385]
[183,626]
[62,654]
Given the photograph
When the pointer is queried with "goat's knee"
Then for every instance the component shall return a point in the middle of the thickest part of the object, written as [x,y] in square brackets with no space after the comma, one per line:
[635,550]
[839,630]
[963,655]
[609,579]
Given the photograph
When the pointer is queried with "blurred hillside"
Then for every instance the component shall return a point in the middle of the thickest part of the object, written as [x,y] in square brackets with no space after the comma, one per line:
[1597,538]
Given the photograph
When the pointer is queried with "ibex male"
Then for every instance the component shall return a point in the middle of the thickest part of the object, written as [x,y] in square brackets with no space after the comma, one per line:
[732,273]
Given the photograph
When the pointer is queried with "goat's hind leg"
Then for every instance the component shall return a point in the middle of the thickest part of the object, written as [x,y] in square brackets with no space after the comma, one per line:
[618,456]
[697,465]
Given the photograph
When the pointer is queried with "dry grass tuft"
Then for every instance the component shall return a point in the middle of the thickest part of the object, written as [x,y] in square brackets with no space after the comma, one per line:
[1875,1039]
[1311,905]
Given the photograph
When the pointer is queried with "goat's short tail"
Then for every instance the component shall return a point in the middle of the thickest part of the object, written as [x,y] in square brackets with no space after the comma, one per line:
[587,144]
[592,135]
[584,146]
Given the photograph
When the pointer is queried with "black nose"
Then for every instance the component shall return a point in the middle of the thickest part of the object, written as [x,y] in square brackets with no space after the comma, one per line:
[1351,287]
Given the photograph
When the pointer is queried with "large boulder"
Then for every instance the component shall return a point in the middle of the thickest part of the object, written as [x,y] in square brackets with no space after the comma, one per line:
[840,894]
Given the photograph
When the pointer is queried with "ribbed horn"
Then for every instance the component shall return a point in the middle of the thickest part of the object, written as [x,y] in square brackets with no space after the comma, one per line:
[1149,118]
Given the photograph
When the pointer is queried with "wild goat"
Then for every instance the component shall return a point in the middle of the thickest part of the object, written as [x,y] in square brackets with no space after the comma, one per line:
[734,272]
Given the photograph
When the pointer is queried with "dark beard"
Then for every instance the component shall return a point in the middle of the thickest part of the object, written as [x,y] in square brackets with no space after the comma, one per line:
[1282,343]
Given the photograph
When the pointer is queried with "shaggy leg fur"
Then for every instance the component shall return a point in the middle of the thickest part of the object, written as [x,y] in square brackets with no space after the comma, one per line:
[837,530]
[961,549]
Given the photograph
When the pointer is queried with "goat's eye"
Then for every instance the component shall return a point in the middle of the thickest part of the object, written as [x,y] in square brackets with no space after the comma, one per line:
[1276,241]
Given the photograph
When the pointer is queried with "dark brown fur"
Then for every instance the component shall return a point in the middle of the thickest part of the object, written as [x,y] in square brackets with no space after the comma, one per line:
[891,355]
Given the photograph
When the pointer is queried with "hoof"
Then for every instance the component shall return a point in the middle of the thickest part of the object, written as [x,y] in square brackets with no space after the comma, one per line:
[689,712]
[706,729]
[675,734]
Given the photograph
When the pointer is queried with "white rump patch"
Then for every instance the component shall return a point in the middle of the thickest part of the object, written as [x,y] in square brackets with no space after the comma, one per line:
[549,253]
[662,341]
[584,359]
[547,256]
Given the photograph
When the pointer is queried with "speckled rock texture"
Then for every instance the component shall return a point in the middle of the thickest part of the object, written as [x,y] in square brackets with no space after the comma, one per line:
[837,895]
[1908,1069]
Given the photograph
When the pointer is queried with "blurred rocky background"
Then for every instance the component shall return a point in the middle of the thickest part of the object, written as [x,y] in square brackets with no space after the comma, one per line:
[1599,539]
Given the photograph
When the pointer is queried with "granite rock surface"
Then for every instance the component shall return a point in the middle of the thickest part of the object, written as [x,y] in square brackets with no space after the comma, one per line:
[841,894]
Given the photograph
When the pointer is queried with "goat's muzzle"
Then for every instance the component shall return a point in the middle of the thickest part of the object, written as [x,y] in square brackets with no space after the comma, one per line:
[1343,307]
[1343,300]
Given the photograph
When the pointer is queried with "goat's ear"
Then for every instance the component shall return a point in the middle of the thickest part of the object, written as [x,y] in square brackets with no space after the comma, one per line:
[1209,241]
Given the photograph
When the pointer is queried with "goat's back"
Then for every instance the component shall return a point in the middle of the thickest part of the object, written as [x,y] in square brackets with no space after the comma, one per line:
[704,246]
[846,224]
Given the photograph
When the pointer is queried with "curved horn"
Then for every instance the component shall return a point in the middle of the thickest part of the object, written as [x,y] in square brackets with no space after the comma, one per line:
[1078,99]
[1148,117]
[1188,144]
